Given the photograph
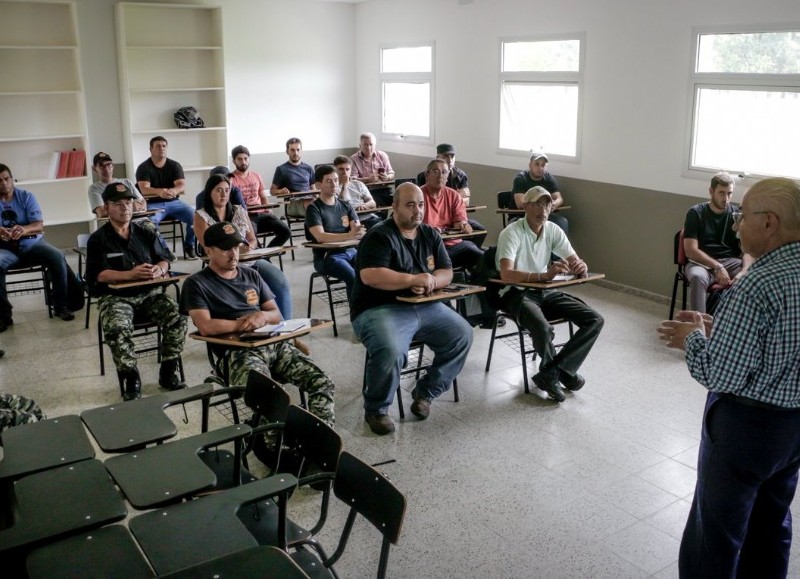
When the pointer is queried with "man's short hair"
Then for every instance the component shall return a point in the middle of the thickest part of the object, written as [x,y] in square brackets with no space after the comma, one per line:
[341,160]
[363,136]
[722,178]
[293,141]
[156,139]
[240,150]
[321,171]
[433,162]
[4,167]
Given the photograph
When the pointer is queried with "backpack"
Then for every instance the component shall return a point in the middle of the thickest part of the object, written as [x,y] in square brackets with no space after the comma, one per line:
[485,270]
[187,118]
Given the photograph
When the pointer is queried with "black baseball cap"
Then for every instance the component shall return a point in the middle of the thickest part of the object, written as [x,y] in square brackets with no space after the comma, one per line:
[117,191]
[222,235]
[101,157]
[445,149]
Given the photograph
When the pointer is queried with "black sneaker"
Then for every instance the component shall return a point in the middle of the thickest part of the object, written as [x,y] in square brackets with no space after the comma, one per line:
[188,252]
[131,384]
[65,315]
[547,380]
[168,377]
[571,383]
[5,324]
[379,423]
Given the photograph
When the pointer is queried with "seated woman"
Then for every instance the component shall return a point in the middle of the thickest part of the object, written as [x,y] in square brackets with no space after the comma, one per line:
[217,207]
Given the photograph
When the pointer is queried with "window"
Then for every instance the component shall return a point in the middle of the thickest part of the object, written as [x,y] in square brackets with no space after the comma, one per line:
[540,95]
[746,92]
[407,91]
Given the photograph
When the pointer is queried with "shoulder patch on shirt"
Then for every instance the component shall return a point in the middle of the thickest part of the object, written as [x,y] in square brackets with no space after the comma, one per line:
[251,296]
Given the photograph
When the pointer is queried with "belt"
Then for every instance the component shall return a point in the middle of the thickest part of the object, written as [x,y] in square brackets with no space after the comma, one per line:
[744,401]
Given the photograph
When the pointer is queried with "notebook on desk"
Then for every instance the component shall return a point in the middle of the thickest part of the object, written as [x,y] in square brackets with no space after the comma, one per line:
[272,330]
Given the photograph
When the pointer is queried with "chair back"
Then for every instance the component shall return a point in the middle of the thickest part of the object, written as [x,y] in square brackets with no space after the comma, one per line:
[398,182]
[83,239]
[679,255]
[505,200]
[310,439]
[266,397]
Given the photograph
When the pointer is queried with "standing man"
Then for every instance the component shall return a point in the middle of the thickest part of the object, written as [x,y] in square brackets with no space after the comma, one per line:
[740,524]
[523,254]
[118,252]
[224,298]
[161,181]
[373,166]
[537,175]
[22,242]
[252,188]
[329,219]
[398,256]
[355,192]
[711,244]
[445,210]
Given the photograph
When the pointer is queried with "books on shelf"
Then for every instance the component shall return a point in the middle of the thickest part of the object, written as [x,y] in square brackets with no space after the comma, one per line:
[66,164]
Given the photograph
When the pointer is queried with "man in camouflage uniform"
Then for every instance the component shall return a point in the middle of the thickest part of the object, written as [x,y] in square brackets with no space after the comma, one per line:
[16,409]
[122,251]
[225,298]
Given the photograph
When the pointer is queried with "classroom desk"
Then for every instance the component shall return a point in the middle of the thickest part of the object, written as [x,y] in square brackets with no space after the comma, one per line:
[260,206]
[543,285]
[171,278]
[297,194]
[30,448]
[450,292]
[259,253]
[347,243]
[234,339]
[261,561]
[474,208]
[456,235]
[378,184]
[373,210]
[138,214]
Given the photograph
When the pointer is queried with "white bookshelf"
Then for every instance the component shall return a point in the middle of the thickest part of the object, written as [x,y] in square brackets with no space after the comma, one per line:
[42,106]
[170,56]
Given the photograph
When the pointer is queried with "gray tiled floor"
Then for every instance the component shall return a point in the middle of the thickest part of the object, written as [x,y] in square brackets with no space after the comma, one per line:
[502,484]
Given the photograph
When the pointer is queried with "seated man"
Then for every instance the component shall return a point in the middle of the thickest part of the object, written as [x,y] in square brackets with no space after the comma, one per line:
[711,244]
[254,193]
[373,167]
[329,219]
[225,298]
[355,192]
[523,254]
[121,251]
[103,165]
[445,210]
[398,256]
[536,175]
[22,243]
[294,176]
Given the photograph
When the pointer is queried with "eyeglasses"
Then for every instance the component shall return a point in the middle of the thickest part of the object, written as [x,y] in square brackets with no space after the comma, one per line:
[439,171]
[739,215]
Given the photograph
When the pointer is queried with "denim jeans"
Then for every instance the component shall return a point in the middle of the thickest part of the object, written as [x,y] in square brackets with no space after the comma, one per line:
[41,253]
[277,282]
[386,332]
[341,265]
[175,210]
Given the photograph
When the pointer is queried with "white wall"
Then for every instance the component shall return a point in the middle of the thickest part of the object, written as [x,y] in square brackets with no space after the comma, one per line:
[637,100]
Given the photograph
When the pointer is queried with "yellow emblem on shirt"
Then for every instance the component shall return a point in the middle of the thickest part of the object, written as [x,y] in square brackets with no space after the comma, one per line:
[346,221]
[431,263]
[252,297]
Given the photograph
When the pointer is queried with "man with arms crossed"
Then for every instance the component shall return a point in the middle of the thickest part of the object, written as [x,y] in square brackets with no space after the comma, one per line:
[523,256]
[537,175]
[252,188]
[225,298]
[118,252]
[399,256]
[710,243]
[161,181]
[748,358]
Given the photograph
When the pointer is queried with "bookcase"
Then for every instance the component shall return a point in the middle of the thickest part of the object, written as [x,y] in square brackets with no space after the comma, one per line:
[42,106]
[170,56]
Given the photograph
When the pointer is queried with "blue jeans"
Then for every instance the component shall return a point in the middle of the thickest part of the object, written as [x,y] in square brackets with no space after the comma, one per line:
[277,282]
[41,253]
[175,210]
[341,265]
[387,331]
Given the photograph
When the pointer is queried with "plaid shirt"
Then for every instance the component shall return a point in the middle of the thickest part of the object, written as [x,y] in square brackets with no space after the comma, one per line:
[754,348]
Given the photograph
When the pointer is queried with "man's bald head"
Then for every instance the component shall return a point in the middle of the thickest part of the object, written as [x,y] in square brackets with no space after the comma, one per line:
[780,196]
[408,206]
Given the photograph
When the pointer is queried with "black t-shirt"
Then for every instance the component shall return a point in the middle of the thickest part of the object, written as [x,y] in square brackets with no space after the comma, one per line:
[524,181]
[107,250]
[160,177]
[384,246]
[334,218]
[713,231]
[226,299]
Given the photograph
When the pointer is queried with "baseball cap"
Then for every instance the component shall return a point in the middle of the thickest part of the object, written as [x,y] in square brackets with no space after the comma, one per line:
[101,157]
[220,170]
[445,149]
[536,193]
[117,191]
[539,155]
[222,235]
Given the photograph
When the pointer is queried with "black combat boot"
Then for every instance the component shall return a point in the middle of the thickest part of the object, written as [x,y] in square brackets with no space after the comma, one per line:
[167,375]
[131,384]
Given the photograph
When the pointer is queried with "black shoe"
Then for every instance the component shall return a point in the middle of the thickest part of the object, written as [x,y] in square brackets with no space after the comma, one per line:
[167,375]
[131,384]
[5,324]
[65,315]
[488,323]
[188,252]
[571,383]
[379,423]
[547,380]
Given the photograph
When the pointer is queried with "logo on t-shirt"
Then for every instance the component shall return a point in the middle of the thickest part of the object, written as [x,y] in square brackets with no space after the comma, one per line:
[431,263]
[251,296]
[346,221]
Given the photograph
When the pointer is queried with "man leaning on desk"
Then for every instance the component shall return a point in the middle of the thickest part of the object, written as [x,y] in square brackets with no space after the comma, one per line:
[523,256]
[120,252]
[403,256]
[225,298]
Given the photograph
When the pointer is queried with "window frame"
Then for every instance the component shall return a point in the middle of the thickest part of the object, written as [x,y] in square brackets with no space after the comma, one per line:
[409,77]
[561,78]
[733,81]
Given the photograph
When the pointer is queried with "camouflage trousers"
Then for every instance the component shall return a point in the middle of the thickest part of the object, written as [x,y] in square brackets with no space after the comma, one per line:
[16,410]
[116,319]
[286,364]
